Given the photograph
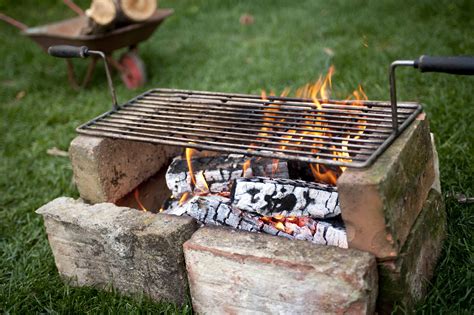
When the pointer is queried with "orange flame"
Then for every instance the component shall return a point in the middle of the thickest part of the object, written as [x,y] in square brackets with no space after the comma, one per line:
[136,194]
[183,198]
[189,153]
[246,167]
[319,92]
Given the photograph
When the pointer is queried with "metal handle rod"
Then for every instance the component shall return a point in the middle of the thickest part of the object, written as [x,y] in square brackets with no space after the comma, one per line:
[393,90]
[107,73]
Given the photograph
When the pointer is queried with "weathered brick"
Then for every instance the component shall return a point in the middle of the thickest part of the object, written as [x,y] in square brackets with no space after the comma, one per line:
[405,279]
[234,272]
[135,252]
[379,204]
[106,169]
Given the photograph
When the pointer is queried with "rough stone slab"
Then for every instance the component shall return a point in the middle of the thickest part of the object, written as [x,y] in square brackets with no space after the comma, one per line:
[405,279]
[105,170]
[234,272]
[135,252]
[379,204]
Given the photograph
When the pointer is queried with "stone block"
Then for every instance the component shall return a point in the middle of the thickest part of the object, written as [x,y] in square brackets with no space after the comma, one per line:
[105,169]
[134,251]
[379,204]
[237,272]
[405,280]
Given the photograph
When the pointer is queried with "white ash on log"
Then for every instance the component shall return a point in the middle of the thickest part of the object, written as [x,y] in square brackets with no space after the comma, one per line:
[217,210]
[269,197]
[219,171]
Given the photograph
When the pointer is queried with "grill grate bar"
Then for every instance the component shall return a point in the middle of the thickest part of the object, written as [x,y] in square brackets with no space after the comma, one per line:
[253,125]
[231,136]
[305,116]
[242,147]
[342,133]
[309,138]
[272,108]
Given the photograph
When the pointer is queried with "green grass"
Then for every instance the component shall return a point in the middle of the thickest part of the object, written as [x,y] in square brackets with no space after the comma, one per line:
[203,46]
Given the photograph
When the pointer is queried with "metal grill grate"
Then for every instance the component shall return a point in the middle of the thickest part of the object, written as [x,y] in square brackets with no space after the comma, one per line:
[342,133]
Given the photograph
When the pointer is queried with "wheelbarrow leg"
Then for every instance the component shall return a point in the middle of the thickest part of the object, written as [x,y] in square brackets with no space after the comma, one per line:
[71,76]
[90,71]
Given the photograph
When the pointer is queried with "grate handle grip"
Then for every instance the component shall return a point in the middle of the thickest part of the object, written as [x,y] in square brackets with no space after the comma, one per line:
[463,65]
[66,51]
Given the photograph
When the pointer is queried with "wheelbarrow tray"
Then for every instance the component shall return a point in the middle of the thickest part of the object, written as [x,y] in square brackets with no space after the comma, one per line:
[67,32]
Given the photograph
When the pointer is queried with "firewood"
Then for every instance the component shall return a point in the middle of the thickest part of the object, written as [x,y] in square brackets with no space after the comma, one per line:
[102,12]
[137,10]
[269,197]
[217,210]
[219,171]
[106,15]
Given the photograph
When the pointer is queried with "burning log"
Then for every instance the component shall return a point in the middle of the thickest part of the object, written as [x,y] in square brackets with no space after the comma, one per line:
[218,172]
[217,210]
[105,15]
[270,197]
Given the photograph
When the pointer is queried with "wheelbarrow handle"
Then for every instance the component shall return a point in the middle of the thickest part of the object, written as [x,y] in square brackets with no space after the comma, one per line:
[66,51]
[13,22]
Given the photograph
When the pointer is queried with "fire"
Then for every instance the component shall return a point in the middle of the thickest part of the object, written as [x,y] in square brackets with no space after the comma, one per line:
[136,194]
[189,154]
[280,222]
[183,198]
[319,92]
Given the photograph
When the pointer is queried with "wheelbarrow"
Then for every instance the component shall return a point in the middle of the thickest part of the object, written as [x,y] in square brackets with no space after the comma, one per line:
[67,32]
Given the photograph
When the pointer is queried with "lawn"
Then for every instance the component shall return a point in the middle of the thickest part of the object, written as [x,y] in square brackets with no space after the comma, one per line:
[204,47]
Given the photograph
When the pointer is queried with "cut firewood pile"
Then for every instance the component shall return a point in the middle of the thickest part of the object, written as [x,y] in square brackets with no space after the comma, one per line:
[107,15]
[254,194]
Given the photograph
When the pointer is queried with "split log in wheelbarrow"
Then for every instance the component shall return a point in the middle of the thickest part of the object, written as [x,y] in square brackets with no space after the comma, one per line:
[67,32]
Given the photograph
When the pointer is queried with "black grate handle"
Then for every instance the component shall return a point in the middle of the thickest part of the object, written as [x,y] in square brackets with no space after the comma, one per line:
[461,65]
[66,51]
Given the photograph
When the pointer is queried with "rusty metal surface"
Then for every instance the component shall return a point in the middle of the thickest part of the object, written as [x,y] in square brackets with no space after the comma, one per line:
[340,133]
[67,32]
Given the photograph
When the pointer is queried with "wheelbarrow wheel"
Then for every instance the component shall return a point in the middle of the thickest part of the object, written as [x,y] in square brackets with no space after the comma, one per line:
[133,73]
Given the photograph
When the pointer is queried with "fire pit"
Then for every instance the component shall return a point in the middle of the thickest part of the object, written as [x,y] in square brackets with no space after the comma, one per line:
[355,174]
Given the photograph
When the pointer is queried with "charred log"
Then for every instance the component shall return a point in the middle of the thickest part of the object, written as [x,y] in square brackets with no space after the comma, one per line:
[270,197]
[219,171]
[217,210]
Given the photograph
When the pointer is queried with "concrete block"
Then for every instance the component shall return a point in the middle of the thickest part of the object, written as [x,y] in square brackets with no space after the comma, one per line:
[134,251]
[379,204]
[105,170]
[237,272]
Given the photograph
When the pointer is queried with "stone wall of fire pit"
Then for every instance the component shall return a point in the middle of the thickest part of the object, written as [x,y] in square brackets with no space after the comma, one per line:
[390,210]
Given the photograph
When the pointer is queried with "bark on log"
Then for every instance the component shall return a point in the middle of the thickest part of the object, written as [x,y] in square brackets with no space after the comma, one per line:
[270,197]
[217,210]
[219,171]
